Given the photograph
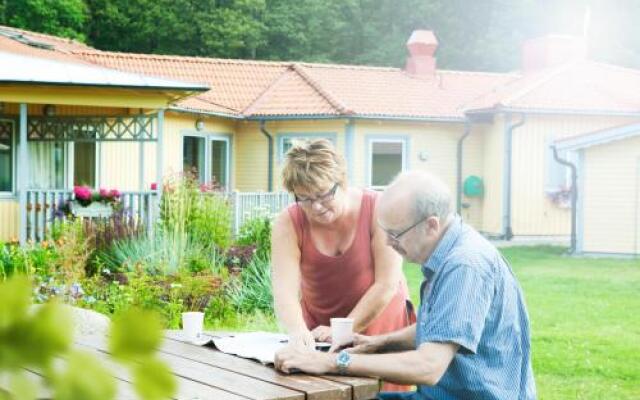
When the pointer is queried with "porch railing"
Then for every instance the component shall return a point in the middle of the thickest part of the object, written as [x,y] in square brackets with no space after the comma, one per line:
[44,208]
[44,205]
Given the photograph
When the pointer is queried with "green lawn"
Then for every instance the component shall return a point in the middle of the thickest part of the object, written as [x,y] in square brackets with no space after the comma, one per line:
[585,319]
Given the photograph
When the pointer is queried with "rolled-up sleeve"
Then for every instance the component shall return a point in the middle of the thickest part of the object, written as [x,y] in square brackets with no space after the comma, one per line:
[457,309]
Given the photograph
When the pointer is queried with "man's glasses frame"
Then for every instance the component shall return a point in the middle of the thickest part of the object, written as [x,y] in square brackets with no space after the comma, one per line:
[396,236]
[322,199]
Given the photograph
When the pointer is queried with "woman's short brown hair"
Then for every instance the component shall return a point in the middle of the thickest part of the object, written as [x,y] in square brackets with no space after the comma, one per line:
[310,163]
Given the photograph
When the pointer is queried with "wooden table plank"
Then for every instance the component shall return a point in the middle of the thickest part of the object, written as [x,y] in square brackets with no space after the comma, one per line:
[216,377]
[316,388]
[363,388]
[187,389]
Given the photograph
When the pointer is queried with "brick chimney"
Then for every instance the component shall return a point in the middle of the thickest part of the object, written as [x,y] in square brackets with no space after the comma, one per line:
[422,46]
[553,50]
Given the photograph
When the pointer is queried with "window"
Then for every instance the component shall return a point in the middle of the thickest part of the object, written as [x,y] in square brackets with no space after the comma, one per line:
[208,158]
[193,158]
[47,165]
[557,176]
[6,164]
[84,164]
[287,141]
[387,159]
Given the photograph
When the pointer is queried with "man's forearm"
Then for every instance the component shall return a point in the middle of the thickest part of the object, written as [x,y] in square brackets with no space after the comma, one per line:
[401,340]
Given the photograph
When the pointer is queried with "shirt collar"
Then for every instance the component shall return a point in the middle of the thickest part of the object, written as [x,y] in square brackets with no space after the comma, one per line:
[443,247]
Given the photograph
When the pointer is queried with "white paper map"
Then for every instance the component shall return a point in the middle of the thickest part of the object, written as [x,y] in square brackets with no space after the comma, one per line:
[261,346]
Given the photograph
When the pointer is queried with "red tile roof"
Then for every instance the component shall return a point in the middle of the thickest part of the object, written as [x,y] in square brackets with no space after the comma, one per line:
[253,89]
[582,86]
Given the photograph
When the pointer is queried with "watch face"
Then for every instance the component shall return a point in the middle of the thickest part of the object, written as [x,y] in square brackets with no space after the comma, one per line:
[343,358]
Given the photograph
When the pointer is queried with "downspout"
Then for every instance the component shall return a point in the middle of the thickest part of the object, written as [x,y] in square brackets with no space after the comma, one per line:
[508,229]
[467,131]
[574,197]
[270,156]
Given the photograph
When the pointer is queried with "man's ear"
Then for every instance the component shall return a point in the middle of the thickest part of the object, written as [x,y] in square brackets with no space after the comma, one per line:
[433,224]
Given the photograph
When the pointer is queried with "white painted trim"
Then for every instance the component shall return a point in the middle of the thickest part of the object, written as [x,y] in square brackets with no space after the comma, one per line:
[637,244]
[580,167]
[404,140]
[600,137]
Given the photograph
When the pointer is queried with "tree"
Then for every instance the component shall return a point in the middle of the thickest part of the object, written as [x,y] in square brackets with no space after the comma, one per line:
[65,18]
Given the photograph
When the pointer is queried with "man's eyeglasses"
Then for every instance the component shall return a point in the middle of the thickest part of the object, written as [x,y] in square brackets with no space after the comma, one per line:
[396,236]
[322,199]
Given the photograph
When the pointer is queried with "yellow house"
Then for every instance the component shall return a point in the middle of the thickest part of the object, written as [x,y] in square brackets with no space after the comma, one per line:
[608,177]
[486,134]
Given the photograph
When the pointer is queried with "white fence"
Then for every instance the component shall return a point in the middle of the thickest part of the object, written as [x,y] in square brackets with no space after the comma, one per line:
[247,205]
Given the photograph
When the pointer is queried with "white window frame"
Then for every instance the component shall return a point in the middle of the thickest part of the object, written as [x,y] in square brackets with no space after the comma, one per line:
[11,194]
[282,136]
[208,138]
[403,140]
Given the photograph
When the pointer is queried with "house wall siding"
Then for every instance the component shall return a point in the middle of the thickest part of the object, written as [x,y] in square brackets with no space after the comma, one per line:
[8,219]
[611,197]
[533,214]
[493,170]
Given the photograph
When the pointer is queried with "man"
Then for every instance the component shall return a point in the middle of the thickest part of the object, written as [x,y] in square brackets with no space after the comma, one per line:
[471,340]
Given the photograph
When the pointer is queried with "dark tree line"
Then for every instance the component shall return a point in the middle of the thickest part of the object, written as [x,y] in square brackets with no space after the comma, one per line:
[473,34]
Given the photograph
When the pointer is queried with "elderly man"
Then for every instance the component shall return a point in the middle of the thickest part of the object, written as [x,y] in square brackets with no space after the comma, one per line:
[471,340]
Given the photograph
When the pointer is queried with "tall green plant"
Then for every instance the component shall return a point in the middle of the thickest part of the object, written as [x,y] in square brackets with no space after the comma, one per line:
[251,292]
[257,232]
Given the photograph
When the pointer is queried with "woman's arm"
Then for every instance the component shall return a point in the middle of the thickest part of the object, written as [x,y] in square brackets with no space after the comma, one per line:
[388,274]
[285,279]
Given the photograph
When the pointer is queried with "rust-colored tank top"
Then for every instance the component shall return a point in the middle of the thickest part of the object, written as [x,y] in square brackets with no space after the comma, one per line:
[331,286]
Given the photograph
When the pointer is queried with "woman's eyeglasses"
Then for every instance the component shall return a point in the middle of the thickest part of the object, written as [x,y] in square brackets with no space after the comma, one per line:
[322,199]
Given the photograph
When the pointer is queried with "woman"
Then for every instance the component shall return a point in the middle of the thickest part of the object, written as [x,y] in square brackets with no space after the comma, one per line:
[329,256]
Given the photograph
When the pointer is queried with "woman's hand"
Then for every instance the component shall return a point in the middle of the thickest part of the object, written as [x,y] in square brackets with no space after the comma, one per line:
[322,333]
[303,339]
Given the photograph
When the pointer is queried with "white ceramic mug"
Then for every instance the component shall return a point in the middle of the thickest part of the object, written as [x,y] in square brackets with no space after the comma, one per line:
[341,331]
[192,325]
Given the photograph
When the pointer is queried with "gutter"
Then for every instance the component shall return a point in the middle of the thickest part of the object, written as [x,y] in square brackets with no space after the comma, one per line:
[270,156]
[574,197]
[510,127]
[467,132]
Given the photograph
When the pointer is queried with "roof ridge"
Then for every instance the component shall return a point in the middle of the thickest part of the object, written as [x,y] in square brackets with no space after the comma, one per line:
[45,35]
[270,88]
[544,77]
[337,104]
[165,57]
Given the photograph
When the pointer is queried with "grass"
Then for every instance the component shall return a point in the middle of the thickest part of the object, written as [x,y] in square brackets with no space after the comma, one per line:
[585,321]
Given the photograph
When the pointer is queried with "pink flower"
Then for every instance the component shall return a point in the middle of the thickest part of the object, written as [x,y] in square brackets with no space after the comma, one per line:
[104,193]
[82,193]
[114,193]
[154,186]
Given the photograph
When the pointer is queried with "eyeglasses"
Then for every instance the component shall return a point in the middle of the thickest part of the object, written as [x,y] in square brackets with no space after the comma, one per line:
[322,199]
[396,236]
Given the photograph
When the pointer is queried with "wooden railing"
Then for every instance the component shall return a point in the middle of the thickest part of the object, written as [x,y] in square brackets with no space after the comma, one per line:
[46,207]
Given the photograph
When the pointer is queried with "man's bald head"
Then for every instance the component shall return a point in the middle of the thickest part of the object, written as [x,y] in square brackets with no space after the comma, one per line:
[417,194]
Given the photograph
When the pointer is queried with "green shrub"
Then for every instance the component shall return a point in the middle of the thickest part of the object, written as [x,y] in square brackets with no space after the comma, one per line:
[203,215]
[257,232]
[251,292]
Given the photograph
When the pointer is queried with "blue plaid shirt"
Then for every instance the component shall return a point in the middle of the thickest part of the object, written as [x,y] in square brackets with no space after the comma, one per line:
[471,297]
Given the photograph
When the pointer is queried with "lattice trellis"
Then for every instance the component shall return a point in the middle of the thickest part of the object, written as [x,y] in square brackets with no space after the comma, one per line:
[138,128]
[6,128]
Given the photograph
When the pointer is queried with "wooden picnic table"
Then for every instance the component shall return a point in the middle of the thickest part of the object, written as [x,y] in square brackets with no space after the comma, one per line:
[207,374]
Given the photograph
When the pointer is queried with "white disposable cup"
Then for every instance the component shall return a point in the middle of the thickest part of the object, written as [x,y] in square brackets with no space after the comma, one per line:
[192,325]
[341,331]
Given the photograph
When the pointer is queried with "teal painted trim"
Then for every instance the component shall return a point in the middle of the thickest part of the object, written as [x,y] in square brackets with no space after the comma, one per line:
[211,136]
[406,154]
[23,175]
[281,136]
[580,204]
[349,148]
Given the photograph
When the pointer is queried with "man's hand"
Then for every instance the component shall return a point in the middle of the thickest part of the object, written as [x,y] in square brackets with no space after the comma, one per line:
[322,333]
[302,339]
[297,358]
[366,344]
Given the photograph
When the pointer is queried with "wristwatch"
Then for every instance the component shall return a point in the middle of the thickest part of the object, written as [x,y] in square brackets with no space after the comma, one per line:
[343,360]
